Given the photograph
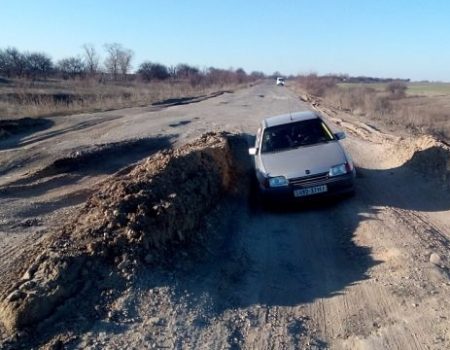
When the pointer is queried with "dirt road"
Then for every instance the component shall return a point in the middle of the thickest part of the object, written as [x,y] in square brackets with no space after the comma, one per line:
[367,272]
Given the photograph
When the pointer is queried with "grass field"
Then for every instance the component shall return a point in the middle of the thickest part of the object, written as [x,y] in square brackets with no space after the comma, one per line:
[428,89]
[23,98]
[421,89]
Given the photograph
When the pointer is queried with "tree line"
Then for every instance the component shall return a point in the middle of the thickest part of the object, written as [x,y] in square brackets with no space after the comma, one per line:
[116,65]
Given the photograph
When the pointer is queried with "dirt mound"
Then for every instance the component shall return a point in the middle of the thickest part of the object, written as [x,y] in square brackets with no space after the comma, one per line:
[433,158]
[133,218]
[426,154]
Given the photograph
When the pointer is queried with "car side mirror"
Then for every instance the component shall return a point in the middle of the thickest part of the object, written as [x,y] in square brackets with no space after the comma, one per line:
[252,151]
[340,135]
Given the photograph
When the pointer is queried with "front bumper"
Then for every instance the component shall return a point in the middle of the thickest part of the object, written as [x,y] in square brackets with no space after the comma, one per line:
[335,186]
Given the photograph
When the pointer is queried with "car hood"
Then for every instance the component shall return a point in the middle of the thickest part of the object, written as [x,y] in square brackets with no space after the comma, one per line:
[297,162]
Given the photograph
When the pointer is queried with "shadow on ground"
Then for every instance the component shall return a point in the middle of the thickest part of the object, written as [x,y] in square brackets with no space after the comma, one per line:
[22,136]
[17,129]
[289,256]
[188,100]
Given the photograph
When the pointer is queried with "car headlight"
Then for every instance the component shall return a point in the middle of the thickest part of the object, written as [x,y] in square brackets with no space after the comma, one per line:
[337,170]
[278,181]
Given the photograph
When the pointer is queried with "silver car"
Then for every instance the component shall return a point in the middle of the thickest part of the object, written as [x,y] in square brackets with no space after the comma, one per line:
[297,155]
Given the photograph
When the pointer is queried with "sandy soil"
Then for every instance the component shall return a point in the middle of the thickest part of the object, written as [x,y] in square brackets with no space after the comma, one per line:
[367,272]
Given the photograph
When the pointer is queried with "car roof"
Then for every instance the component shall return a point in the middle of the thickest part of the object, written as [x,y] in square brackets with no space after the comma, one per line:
[289,118]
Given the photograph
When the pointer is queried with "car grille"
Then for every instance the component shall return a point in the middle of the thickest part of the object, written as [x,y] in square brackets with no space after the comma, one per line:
[309,180]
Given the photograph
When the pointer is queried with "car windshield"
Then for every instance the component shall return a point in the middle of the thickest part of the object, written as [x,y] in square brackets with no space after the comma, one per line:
[294,135]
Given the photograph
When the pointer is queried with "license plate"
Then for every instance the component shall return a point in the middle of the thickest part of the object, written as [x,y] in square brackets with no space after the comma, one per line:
[310,191]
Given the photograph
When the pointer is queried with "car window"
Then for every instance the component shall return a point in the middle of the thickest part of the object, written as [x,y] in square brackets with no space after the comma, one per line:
[294,135]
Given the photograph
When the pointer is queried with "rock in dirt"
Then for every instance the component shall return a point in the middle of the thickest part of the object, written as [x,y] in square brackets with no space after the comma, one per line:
[435,259]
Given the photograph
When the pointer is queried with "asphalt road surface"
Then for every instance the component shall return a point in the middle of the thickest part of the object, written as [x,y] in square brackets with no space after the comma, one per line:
[346,274]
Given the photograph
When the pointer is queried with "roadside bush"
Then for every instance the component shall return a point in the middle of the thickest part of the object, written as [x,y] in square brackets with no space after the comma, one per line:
[153,71]
[71,67]
[185,71]
[241,75]
[381,105]
[359,100]
[397,89]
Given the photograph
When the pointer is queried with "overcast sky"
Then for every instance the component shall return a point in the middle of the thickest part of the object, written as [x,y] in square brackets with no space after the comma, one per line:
[383,38]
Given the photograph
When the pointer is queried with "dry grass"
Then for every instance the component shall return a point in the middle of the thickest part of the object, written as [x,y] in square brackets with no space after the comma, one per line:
[21,98]
[418,114]
[424,115]
[316,85]
[428,112]
[360,101]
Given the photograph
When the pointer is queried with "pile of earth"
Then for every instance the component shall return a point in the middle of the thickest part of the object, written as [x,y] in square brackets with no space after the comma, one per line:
[134,218]
[426,154]
[432,157]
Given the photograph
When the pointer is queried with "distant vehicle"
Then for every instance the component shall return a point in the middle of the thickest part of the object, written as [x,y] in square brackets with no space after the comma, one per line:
[280,81]
[297,155]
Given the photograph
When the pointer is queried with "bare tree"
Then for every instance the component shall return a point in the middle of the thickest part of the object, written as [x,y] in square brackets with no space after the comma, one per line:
[71,67]
[241,75]
[255,75]
[185,71]
[18,61]
[153,71]
[118,59]
[172,70]
[218,76]
[112,60]
[91,59]
[3,63]
[125,58]
[12,62]
[38,65]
